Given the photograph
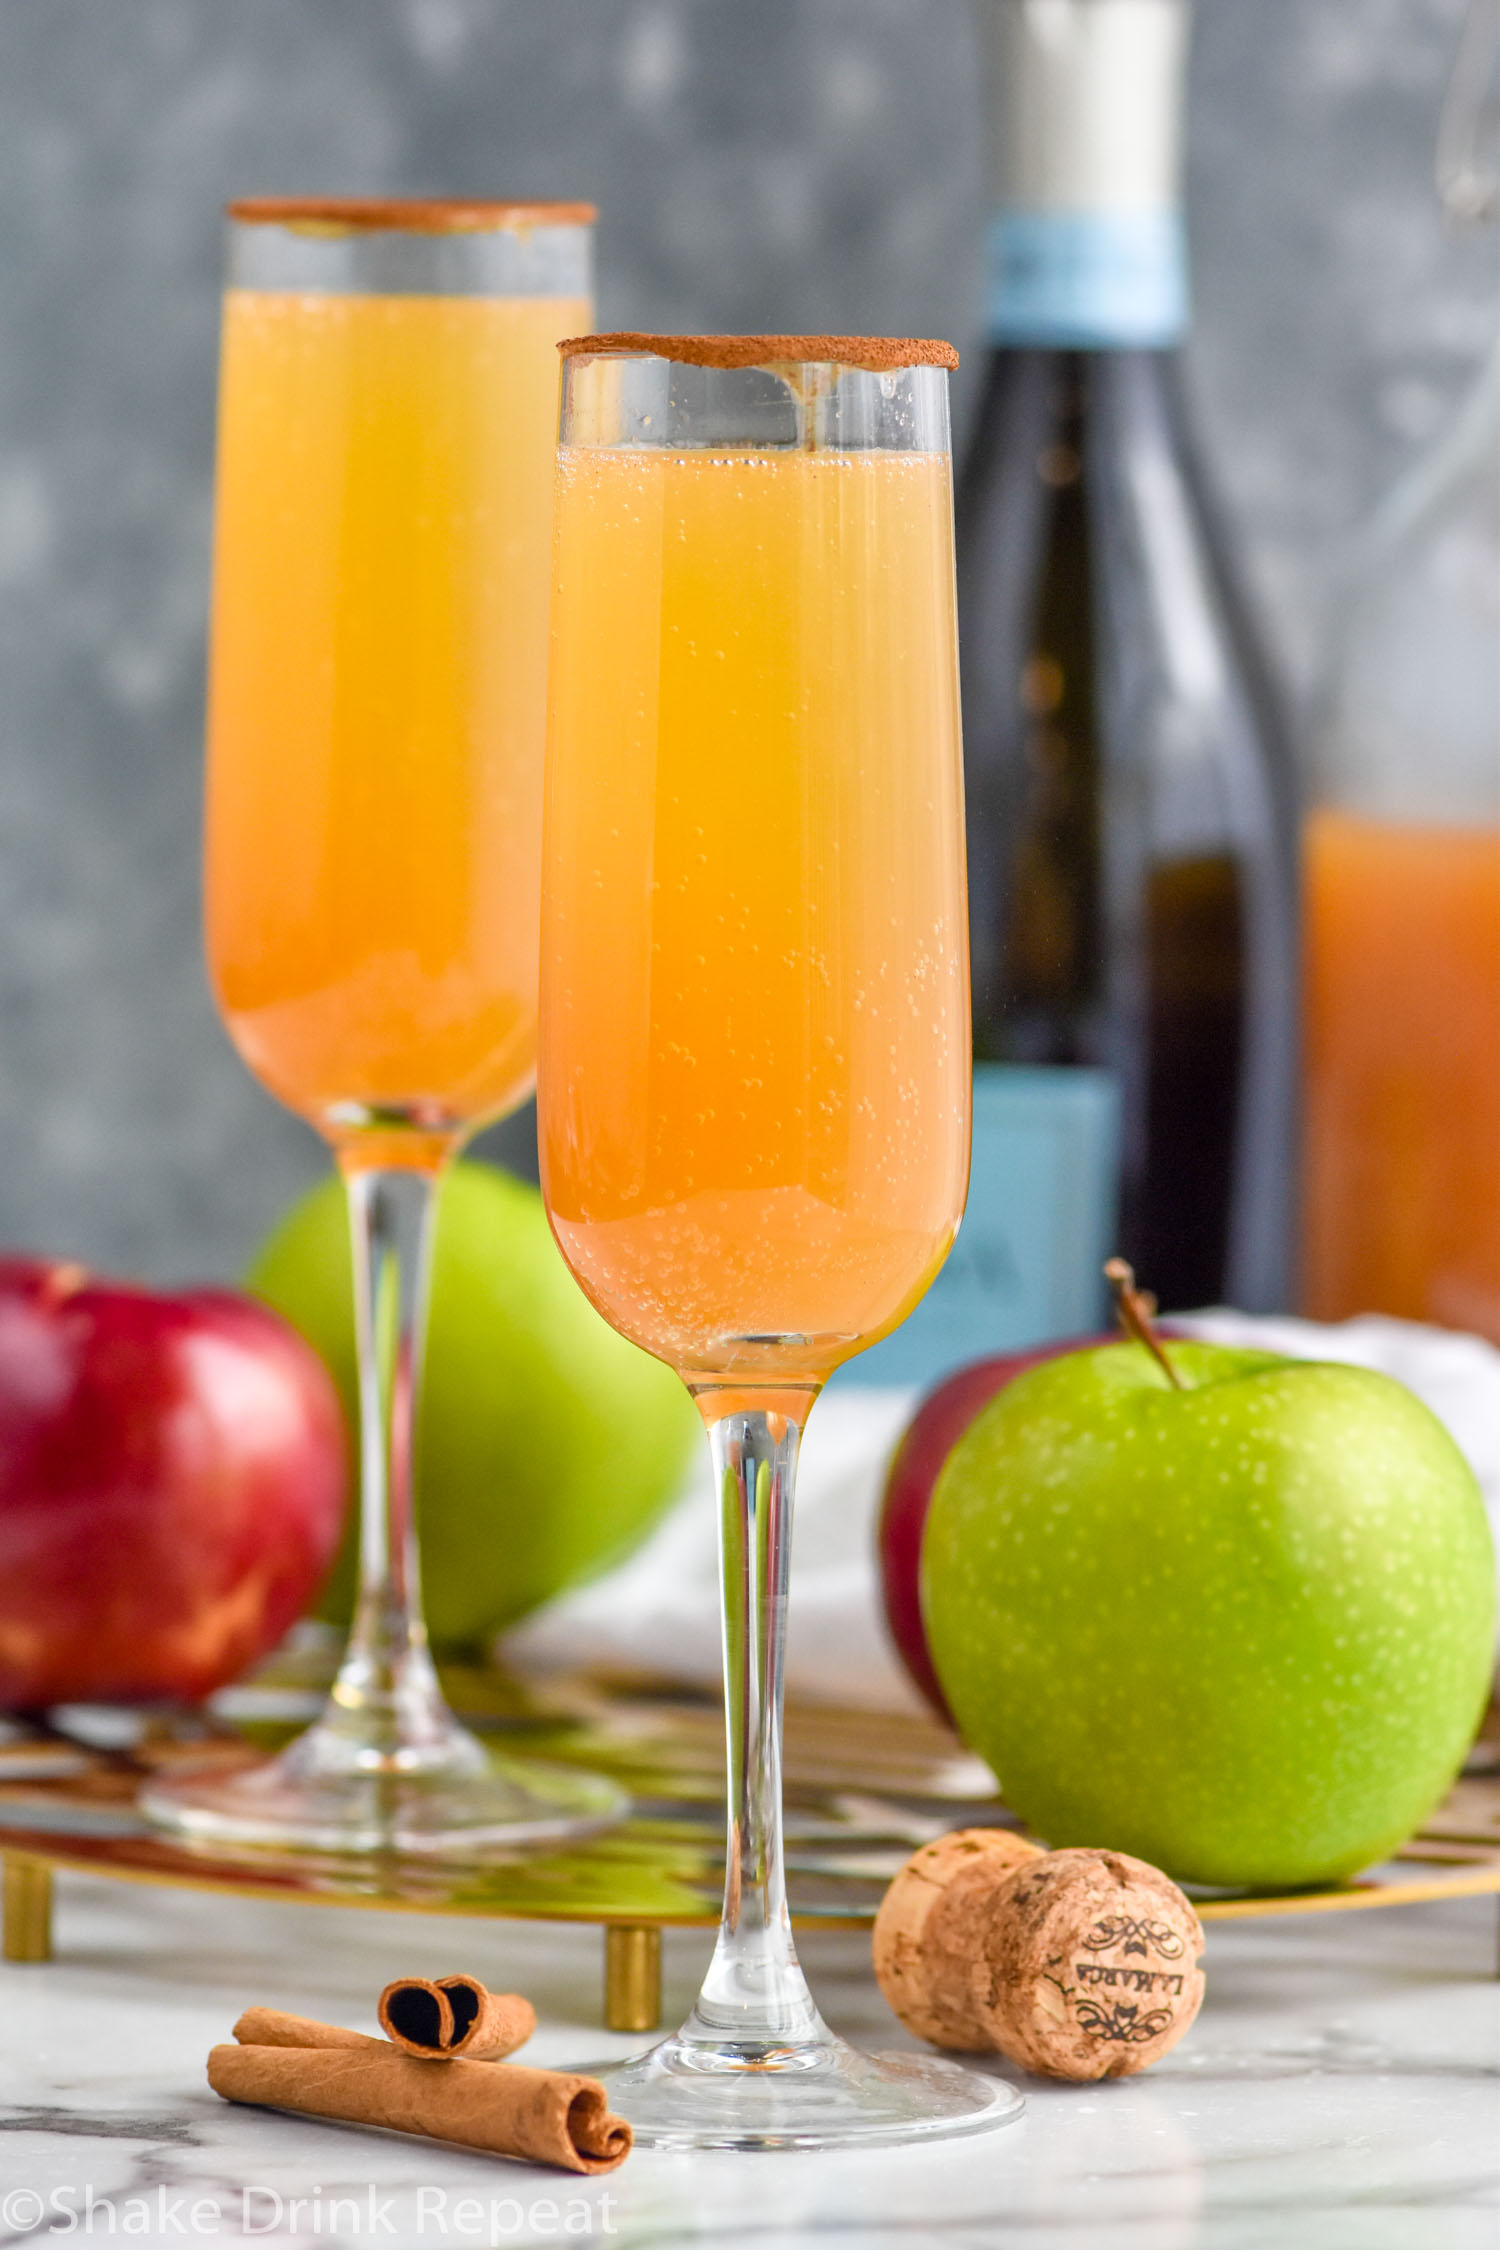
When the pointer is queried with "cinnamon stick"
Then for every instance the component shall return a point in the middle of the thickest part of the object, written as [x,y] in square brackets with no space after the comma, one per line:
[454,2016]
[272,2027]
[548,2116]
[444,2018]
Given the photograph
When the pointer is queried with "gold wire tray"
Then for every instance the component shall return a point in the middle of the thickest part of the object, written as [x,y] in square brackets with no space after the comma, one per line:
[863,1790]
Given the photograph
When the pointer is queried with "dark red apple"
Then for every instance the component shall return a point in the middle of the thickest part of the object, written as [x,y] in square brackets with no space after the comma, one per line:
[173,1477]
[934,1430]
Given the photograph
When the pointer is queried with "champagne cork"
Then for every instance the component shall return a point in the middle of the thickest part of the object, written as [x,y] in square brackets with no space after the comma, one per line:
[1075,1964]
[923,1945]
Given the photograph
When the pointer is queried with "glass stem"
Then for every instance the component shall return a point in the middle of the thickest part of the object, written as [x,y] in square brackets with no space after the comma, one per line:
[387,1710]
[754,1996]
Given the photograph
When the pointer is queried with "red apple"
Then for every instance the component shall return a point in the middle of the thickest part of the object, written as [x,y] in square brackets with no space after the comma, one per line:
[173,1476]
[934,1430]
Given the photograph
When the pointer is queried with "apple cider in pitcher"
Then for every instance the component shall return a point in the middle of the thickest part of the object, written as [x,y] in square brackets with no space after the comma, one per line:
[1403,1071]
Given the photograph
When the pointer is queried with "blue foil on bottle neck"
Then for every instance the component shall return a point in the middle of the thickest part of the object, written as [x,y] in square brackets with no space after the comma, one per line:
[1088,280]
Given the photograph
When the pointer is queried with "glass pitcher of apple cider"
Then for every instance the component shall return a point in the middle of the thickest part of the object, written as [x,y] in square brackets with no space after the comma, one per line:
[1402,1123]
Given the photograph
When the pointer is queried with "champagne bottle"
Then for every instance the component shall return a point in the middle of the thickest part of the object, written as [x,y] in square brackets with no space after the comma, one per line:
[1130,802]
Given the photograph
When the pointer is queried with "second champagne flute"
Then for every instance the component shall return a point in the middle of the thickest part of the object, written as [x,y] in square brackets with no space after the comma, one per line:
[387,419]
[754,1069]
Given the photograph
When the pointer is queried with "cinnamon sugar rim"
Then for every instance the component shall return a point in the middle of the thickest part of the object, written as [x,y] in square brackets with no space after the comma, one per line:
[361,214]
[878,354]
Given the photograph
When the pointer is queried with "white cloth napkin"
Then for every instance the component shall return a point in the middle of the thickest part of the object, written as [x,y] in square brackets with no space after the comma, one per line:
[659,1612]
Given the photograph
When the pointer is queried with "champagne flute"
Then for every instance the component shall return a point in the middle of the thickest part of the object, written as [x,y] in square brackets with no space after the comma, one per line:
[754,1066]
[377,708]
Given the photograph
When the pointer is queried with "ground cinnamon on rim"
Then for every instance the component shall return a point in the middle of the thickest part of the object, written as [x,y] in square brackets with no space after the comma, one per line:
[367,214]
[878,354]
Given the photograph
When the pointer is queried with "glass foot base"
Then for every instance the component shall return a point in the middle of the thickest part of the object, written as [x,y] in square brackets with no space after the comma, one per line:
[824,2094]
[295,1803]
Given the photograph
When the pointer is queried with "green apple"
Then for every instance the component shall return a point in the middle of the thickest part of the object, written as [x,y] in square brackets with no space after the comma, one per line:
[1241,1629]
[548,1445]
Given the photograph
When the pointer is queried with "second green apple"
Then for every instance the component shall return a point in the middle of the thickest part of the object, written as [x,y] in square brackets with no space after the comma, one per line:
[547,1446]
[1242,1629]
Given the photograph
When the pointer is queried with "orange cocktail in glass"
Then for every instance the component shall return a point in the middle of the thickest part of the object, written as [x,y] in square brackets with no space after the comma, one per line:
[378,697]
[756,1122]
[754,1065]
[383,528]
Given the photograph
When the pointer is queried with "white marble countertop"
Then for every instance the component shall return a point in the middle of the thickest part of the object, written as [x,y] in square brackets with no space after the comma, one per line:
[1338,2093]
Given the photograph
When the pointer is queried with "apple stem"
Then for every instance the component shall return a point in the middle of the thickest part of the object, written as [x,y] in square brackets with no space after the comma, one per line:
[1135,1308]
[62,1282]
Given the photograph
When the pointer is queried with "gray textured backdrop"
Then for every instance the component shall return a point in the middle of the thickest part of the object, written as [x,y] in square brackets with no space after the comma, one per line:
[759,164]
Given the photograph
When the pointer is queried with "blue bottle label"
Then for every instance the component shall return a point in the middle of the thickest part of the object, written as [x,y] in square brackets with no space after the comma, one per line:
[1039,1226]
[1089,280]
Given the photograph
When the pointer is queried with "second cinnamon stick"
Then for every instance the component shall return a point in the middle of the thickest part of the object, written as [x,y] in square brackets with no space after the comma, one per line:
[455,2016]
[273,2027]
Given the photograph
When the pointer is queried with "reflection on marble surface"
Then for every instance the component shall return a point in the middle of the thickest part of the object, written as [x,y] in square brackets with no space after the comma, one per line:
[1338,2093]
